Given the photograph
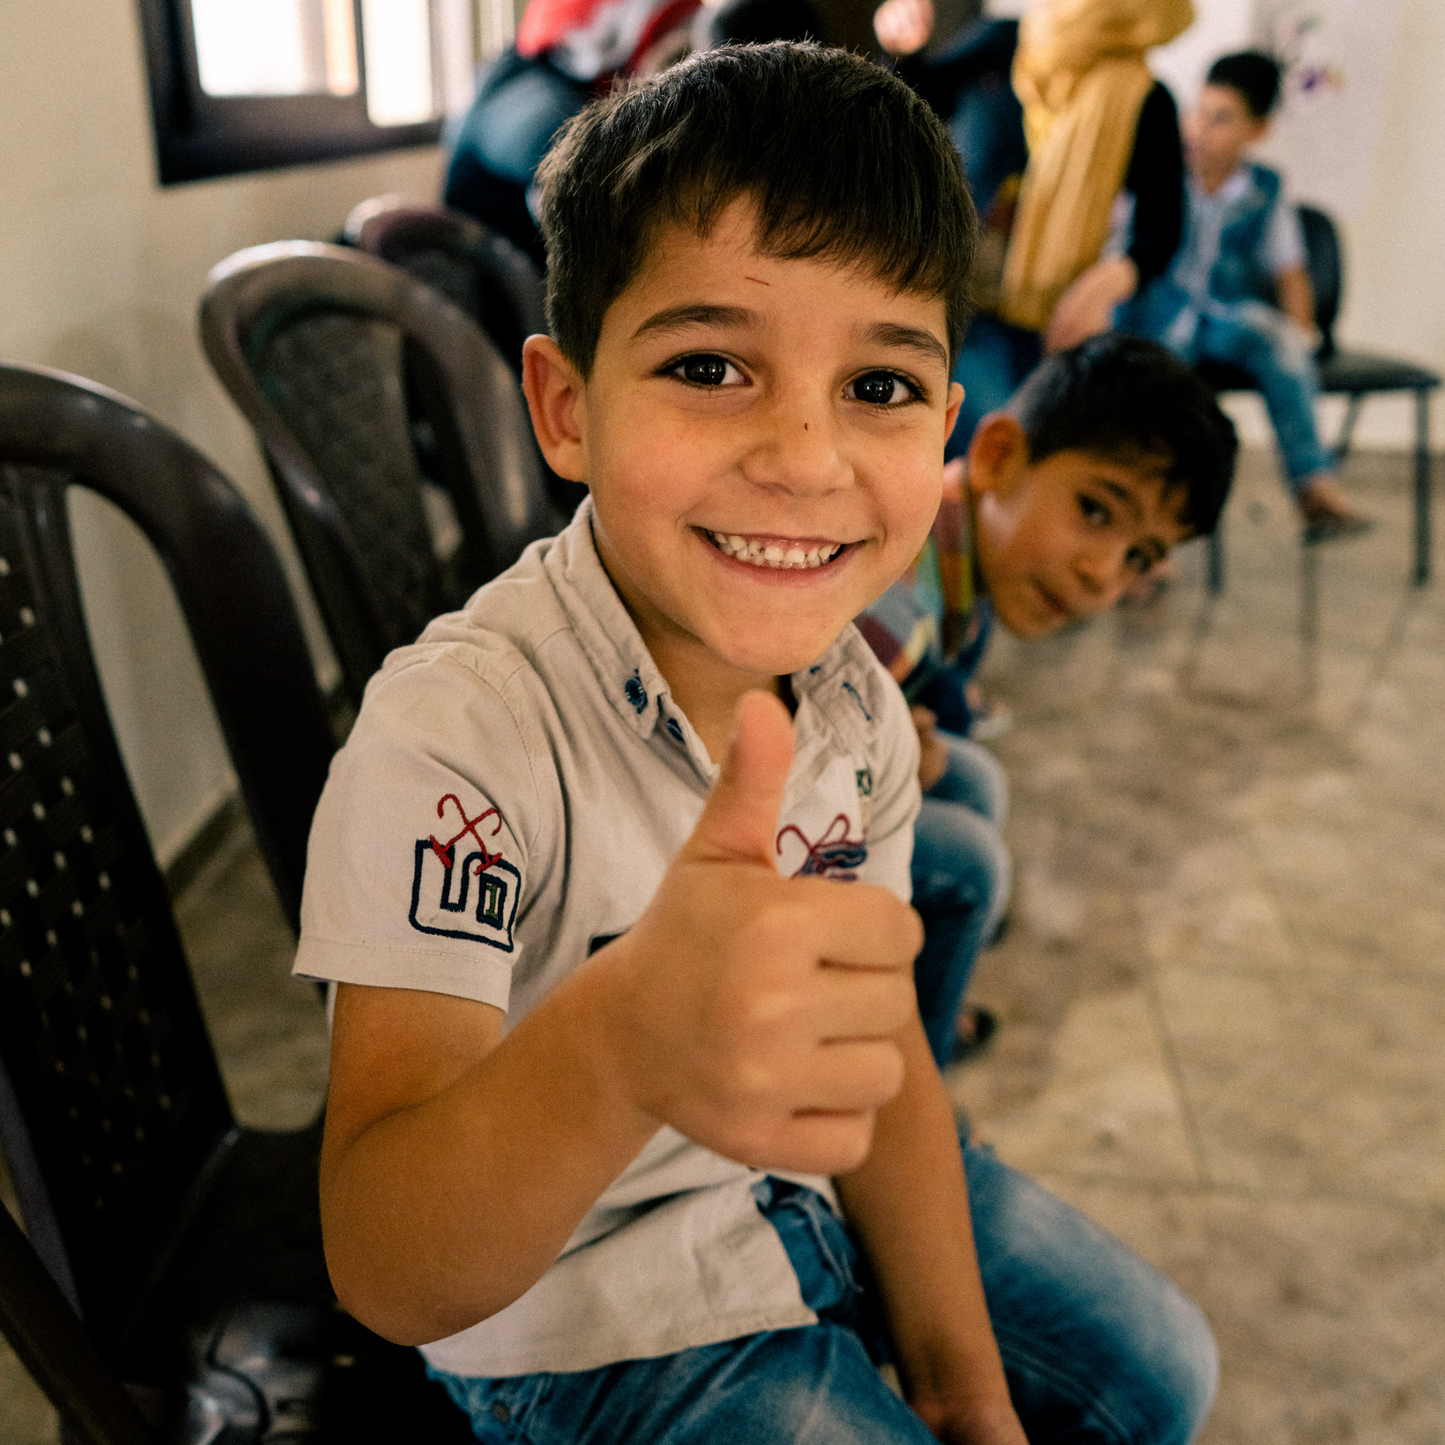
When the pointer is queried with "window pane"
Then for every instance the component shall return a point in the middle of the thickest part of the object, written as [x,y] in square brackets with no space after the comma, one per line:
[275,47]
[396,36]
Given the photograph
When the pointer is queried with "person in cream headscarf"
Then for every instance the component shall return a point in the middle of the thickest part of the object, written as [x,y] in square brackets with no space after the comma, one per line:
[1099,208]
[1081,77]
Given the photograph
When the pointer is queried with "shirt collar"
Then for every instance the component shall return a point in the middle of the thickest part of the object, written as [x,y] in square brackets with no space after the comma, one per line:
[839,690]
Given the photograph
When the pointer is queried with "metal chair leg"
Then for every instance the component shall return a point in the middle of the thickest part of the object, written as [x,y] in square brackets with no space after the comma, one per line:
[1422,487]
[1215,573]
[1347,428]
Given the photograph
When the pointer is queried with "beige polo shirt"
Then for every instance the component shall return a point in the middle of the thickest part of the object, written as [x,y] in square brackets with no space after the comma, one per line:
[515,787]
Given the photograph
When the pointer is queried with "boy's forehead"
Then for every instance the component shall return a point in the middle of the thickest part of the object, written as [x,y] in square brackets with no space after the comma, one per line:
[1218,97]
[676,243]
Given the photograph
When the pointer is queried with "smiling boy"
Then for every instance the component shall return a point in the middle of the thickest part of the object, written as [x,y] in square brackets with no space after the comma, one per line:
[619,1031]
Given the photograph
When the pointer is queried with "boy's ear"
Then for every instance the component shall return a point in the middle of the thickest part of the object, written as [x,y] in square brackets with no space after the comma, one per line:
[955,400]
[556,397]
[998,452]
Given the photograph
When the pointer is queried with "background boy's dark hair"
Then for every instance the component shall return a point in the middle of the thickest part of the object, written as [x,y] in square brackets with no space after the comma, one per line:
[1129,400]
[842,159]
[1253,74]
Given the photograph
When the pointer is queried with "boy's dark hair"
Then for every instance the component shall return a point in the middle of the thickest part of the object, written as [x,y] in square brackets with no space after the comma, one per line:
[841,158]
[1129,400]
[1253,74]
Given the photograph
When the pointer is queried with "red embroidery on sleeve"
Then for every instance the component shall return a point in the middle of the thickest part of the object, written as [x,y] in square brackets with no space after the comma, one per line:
[469,825]
[829,856]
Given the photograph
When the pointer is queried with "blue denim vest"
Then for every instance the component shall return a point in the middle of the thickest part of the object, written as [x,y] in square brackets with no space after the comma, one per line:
[1237,274]
[1166,312]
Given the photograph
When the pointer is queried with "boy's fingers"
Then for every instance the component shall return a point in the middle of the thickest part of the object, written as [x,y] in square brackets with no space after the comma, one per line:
[740,821]
[861,923]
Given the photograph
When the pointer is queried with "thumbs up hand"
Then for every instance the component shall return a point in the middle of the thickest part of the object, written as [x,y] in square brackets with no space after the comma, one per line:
[755,1014]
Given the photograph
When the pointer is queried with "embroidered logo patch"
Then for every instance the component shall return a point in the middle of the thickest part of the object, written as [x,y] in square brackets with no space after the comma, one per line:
[834,855]
[461,889]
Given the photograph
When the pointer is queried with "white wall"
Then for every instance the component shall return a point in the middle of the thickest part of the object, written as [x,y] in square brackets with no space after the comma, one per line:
[1395,267]
[100,273]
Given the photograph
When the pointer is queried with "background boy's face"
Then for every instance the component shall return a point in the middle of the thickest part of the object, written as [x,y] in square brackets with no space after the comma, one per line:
[1220,128]
[763,439]
[1061,539]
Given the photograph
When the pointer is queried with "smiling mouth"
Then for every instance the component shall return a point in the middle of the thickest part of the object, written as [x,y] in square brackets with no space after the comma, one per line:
[778,553]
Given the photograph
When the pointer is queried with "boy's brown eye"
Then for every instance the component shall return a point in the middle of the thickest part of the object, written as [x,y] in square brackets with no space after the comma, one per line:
[881,388]
[876,387]
[704,370]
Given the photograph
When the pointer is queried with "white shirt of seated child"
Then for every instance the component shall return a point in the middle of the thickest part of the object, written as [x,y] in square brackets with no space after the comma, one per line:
[515,787]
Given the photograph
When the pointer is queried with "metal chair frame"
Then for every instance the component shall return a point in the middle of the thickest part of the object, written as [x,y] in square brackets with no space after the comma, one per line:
[1354,374]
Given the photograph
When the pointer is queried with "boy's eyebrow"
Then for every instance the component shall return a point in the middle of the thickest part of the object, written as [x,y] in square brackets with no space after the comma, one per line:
[697,313]
[890,333]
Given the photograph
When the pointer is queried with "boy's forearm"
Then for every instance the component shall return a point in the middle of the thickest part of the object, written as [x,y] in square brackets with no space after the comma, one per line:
[443,1212]
[909,1206]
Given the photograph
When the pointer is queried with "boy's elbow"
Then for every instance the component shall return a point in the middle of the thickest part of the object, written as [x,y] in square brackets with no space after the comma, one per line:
[400,1312]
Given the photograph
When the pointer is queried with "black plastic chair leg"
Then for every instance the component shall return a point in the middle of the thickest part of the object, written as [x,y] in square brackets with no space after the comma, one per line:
[1422,487]
[1215,574]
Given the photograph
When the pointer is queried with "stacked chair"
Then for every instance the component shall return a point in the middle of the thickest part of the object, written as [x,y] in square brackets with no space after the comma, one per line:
[172,1285]
[1353,374]
[395,431]
[477,270]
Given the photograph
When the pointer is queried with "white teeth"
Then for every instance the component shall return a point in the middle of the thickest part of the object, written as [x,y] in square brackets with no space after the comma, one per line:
[759,554]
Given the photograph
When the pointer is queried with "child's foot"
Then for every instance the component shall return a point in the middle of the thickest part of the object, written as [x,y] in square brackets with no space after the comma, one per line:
[1328,512]
[989,717]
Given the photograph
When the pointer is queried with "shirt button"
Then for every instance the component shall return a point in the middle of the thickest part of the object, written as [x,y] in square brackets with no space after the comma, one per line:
[500,1413]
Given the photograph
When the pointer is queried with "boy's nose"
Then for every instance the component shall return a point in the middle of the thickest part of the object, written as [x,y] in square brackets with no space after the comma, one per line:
[1103,571]
[796,451]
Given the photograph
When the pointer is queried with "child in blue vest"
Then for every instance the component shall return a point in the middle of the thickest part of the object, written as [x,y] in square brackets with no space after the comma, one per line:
[1238,290]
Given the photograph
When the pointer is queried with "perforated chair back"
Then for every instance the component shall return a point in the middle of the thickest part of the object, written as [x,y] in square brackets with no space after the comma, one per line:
[318,346]
[111,1105]
[477,270]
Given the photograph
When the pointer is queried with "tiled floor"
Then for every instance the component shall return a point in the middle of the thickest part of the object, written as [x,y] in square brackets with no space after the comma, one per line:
[1223,1022]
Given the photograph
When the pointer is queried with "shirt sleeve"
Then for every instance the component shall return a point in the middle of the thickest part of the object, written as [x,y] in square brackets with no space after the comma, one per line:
[417,866]
[1155,178]
[1284,242]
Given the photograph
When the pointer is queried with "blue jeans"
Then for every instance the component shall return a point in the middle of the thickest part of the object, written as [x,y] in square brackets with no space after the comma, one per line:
[1276,354]
[1098,1348]
[961,876]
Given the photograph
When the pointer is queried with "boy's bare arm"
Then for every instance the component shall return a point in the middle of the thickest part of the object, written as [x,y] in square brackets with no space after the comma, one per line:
[909,1205]
[1296,296]
[755,1014]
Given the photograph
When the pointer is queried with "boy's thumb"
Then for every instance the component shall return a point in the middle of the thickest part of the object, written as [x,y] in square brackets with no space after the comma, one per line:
[740,821]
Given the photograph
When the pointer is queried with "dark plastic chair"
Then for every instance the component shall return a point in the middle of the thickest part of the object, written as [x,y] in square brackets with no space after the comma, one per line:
[477,270]
[396,520]
[1355,374]
[189,1247]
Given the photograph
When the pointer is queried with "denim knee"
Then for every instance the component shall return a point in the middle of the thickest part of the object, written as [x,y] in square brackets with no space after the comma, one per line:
[1097,1344]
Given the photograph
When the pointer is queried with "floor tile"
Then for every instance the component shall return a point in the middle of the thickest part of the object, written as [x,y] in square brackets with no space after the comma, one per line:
[1327,1314]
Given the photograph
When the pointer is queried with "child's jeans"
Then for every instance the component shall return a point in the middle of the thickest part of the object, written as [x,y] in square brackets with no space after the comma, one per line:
[1097,1347]
[961,877]
[1277,354]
